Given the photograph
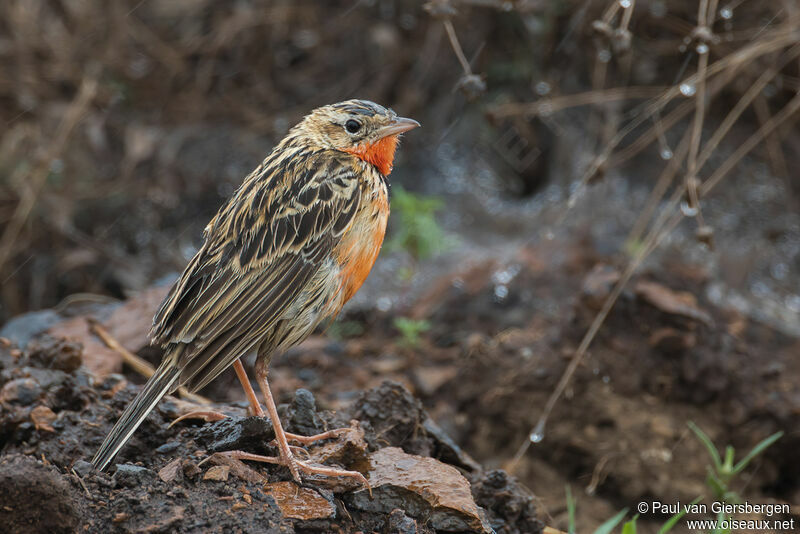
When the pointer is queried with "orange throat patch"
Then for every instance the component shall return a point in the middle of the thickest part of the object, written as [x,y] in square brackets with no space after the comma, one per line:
[380,153]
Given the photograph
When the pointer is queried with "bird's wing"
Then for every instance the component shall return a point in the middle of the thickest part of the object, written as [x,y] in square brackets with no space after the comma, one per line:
[260,252]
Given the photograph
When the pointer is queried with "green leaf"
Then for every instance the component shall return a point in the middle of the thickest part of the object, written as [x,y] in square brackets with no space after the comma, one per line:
[672,521]
[630,526]
[410,329]
[414,227]
[720,518]
[609,524]
[570,511]
[716,485]
[758,449]
[705,440]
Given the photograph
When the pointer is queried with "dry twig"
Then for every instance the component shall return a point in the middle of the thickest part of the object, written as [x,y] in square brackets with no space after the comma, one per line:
[138,364]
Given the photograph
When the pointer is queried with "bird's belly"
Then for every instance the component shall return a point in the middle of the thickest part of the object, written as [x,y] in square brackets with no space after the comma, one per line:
[358,251]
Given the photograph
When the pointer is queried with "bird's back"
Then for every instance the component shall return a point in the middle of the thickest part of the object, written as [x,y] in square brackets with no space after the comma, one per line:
[291,246]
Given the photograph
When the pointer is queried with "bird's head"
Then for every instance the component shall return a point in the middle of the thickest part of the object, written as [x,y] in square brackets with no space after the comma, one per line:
[362,128]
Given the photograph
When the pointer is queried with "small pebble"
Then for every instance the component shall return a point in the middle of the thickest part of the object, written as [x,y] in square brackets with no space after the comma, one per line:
[82,468]
[132,475]
[168,447]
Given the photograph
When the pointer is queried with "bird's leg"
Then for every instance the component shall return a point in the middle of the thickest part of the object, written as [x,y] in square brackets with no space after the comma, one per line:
[255,406]
[286,456]
[211,415]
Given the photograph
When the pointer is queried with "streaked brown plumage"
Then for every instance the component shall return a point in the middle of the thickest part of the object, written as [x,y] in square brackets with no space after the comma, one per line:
[291,246]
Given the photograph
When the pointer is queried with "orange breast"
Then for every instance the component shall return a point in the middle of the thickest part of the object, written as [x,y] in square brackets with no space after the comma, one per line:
[360,246]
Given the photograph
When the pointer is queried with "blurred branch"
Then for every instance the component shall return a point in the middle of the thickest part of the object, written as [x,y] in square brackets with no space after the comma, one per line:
[558,103]
[38,175]
[451,34]
[669,218]
[472,85]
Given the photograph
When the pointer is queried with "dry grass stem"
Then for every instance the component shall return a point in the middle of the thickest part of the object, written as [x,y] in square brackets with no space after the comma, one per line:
[136,363]
[38,175]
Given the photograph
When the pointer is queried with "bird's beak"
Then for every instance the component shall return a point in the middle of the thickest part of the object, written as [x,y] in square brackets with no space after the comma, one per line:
[396,127]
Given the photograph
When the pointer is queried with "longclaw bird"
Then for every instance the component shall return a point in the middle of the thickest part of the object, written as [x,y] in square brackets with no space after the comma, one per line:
[290,247]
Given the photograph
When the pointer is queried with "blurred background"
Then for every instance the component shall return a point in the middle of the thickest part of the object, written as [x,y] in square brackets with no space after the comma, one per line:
[563,142]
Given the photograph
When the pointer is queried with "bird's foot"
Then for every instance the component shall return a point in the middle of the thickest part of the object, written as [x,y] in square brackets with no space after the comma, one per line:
[308,440]
[296,466]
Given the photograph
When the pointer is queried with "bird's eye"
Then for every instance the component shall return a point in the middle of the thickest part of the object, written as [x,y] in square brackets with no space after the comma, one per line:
[352,126]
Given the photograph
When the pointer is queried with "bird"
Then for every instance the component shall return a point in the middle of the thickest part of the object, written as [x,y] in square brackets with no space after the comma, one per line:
[287,250]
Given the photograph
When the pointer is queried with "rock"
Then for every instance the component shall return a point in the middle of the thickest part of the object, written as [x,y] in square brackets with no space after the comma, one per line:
[82,468]
[236,433]
[190,469]
[394,415]
[303,417]
[54,353]
[447,450]
[24,391]
[218,472]
[27,486]
[511,508]
[22,328]
[168,447]
[100,360]
[400,523]
[298,502]
[425,488]
[128,475]
[348,449]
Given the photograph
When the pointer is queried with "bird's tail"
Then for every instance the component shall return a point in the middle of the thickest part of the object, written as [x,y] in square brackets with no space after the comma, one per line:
[159,385]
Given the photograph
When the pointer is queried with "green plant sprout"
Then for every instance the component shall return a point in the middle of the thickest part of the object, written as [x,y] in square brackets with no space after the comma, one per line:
[608,525]
[410,330]
[721,474]
[722,471]
[415,229]
[571,507]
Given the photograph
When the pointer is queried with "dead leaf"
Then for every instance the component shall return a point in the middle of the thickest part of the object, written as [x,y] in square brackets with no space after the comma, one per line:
[170,472]
[218,473]
[298,502]
[42,416]
[236,467]
[672,302]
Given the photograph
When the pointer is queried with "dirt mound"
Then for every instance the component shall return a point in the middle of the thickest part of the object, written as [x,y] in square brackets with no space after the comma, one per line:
[173,479]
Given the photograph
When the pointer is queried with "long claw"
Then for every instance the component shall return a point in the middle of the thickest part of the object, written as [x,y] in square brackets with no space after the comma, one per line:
[206,415]
[296,466]
[308,440]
